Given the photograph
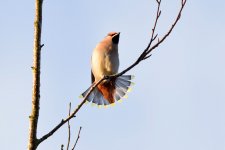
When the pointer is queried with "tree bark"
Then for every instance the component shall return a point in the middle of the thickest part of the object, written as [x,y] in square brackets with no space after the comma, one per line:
[33,142]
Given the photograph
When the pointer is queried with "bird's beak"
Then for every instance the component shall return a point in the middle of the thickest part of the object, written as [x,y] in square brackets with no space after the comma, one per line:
[118,34]
[115,38]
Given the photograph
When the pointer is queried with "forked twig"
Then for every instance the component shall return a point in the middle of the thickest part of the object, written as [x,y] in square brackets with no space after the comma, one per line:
[63,121]
[183,2]
[144,55]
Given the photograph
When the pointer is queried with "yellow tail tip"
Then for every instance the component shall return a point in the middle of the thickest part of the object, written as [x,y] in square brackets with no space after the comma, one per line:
[125,96]
[120,101]
[113,104]
[129,90]
[93,104]
[106,106]
[81,96]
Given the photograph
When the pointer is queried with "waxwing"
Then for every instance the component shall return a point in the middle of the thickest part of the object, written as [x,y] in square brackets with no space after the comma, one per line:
[105,61]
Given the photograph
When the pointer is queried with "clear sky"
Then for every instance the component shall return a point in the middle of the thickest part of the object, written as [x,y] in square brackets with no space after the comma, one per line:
[177,103]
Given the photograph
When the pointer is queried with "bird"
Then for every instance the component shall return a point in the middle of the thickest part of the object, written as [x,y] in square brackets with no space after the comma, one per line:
[105,62]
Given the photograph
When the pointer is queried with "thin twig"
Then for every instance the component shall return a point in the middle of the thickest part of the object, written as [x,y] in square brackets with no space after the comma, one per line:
[68,144]
[183,2]
[42,45]
[155,24]
[78,136]
[145,54]
[63,121]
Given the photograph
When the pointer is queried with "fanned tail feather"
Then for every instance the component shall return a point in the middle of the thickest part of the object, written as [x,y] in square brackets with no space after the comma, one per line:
[110,91]
[122,84]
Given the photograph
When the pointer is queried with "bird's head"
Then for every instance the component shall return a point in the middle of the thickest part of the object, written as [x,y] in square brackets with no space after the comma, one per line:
[115,36]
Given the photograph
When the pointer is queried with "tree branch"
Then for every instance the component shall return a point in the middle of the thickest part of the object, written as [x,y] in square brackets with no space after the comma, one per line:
[183,2]
[63,121]
[32,143]
[78,136]
[144,55]
[68,143]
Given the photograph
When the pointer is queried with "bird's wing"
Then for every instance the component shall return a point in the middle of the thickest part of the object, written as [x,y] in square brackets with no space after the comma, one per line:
[92,77]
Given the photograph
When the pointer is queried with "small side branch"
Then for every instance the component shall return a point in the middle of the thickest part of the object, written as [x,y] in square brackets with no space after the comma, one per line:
[63,121]
[42,45]
[68,143]
[183,2]
[78,136]
[144,55]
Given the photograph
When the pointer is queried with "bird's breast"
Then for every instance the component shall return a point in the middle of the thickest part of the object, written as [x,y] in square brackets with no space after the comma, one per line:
[105,60]
[111,63]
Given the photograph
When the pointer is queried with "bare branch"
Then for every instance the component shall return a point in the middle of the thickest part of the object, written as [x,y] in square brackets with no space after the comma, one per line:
[159,13]
[78,136]
[144,55]
[170,30]
[42,45]
[155,24]
[32,142]
[155,37]
[147,56]
[68,144]
[63,121]
[150,48]
[146,51]
[158,1]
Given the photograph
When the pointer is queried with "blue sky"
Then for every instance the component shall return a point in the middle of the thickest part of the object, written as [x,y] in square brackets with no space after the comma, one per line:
[177,103]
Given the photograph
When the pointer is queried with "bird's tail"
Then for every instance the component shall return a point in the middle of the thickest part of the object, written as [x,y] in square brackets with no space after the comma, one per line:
[111,91]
